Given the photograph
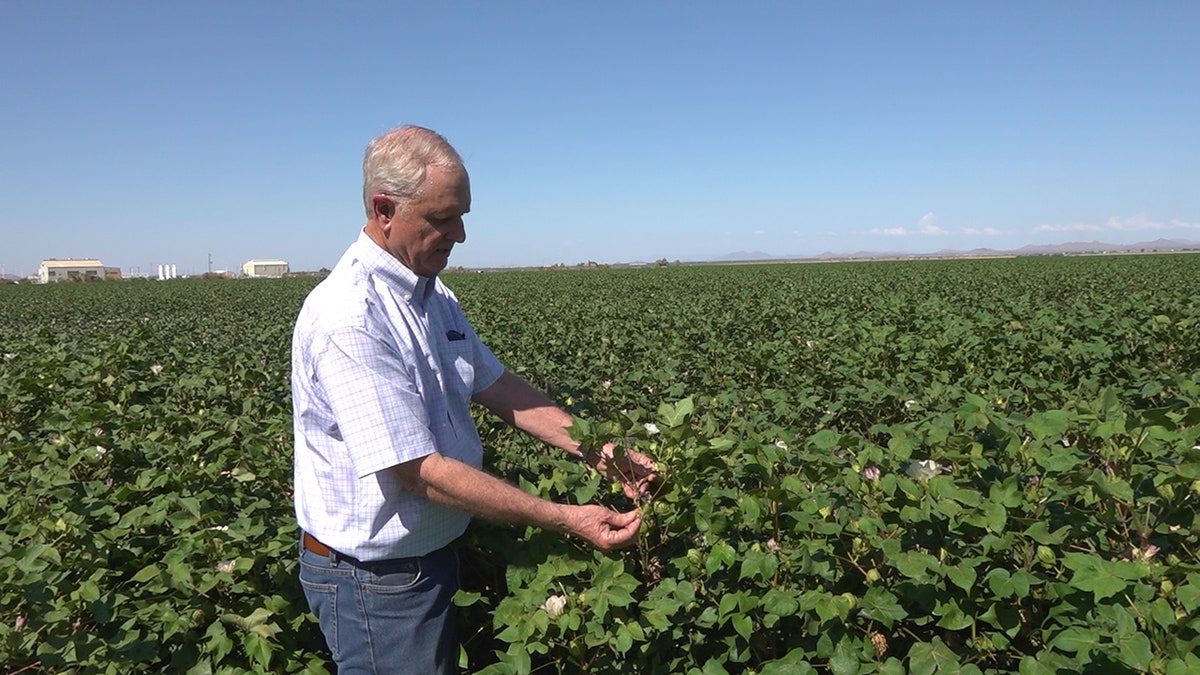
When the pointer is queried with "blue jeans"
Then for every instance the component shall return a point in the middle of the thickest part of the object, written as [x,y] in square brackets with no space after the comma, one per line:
[387,616]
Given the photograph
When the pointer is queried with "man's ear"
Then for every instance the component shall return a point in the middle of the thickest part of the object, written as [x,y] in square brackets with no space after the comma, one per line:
[383,206]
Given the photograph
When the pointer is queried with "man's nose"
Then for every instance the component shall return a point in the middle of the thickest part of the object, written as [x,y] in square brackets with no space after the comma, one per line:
[457,231]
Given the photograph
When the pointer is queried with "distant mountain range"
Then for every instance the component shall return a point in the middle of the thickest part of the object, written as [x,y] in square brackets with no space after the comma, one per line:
[1039,249]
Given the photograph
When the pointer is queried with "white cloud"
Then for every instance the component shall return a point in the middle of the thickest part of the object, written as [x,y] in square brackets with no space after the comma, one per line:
[1077,227]
[1141,222]
[988,231]
[1138,222]
[759,233]
[928,224]
[1116,223]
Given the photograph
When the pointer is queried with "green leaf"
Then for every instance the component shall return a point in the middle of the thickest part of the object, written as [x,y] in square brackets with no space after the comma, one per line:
[1162,614]
[1134,650]
[729,604]
[519,658]
[1077,640]
[1113,487]
[1058,460]
[1000,582]
[780,602]
[743,625]
[1051,424]
[677,415]
[882,605]
[826,439]
[751,508]
[89,591]
[259,650]
[925,658]
[1103,578]
[145,574]
[721,555]
[967,497]
[1188,665]
[793,663]
[623,641]
[995,517]
[1040,532]
[465,598]
[1188,594]
[953,618]
[915,565]
[1048,662]
[202,667]
[845,659]
[759,564]
[961,575]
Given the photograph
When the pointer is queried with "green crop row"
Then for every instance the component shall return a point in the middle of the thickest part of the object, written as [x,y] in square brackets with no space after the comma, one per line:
[943,466]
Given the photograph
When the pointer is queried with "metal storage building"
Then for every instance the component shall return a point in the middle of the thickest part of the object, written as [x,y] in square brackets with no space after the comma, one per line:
[272,269]
[53,269]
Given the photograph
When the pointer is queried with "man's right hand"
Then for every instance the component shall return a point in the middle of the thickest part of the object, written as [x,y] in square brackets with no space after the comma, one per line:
[605,529]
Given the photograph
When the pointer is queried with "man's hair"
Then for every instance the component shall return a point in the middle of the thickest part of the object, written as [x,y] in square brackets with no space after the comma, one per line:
[394,163]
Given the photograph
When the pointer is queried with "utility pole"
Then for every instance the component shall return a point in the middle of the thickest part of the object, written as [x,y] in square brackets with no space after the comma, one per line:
[210,263]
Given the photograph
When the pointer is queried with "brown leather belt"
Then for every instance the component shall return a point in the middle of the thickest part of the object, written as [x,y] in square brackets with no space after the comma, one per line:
[311,543]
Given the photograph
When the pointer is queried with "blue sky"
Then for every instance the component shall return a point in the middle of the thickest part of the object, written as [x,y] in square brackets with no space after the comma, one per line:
[146,133]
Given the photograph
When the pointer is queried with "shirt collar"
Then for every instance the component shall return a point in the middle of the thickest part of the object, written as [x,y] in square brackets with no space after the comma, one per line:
[379,263]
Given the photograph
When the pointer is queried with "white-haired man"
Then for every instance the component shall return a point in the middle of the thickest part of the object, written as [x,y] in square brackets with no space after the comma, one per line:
[387,457]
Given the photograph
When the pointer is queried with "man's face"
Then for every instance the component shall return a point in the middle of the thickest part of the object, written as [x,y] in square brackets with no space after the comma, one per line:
[421,232]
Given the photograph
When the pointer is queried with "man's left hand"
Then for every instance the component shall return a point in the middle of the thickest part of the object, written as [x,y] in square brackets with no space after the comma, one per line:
[633,470]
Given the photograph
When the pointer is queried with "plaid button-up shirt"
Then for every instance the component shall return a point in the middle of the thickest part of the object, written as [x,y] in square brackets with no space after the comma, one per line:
[384,364]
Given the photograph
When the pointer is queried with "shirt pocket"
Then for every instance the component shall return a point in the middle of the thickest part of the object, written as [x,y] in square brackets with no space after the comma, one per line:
[458,367]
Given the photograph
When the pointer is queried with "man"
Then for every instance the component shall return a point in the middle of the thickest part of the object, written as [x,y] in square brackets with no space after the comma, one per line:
[387,458]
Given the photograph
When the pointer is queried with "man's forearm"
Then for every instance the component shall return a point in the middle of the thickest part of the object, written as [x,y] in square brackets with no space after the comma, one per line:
[515,401]
[451,483]
[460,486]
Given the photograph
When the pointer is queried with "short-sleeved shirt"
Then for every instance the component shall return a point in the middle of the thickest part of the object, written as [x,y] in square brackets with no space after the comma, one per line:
[384,364]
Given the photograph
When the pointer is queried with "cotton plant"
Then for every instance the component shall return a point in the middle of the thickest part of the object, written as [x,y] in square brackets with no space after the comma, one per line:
[925,469]
[554,606]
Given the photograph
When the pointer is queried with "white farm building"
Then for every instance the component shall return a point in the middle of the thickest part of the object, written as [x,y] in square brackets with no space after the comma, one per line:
[269,269]
[53,269]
